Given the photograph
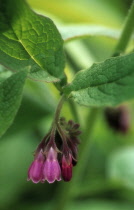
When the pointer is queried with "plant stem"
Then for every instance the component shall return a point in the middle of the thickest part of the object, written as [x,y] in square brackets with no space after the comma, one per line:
[58,110]
[127,31]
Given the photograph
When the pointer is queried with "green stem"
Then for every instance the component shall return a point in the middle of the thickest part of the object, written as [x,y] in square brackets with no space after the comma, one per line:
[127,31]
[58,110]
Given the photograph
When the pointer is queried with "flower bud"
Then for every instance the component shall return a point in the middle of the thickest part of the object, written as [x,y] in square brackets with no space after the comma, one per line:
[66,168]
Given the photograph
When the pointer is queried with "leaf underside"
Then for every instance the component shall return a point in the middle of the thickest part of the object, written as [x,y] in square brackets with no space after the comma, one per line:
[108,83]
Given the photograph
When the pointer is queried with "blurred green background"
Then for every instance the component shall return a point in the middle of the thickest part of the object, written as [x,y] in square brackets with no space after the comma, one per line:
[107,179]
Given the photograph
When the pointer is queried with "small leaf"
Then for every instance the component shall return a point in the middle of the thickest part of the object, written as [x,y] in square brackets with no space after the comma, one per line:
[77,31]
[30,41]
[107,83]
[10,98]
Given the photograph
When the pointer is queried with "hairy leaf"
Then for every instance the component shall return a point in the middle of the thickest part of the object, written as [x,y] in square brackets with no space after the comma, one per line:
[108,83]
[30,41]
[10,98]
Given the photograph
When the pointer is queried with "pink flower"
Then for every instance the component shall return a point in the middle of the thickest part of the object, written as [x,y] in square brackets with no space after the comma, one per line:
[66,168]
[51,168]
[56,154]
[36,168]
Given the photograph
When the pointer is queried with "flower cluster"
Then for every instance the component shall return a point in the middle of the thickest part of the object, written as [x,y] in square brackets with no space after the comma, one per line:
[56,155]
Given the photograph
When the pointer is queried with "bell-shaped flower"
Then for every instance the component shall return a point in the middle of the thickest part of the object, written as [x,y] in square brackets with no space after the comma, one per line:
[66,167]
[51,168]
[35,170]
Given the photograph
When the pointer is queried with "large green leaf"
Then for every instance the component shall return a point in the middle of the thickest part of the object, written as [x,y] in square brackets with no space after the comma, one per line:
[10,98]
[30,41]
[107,83]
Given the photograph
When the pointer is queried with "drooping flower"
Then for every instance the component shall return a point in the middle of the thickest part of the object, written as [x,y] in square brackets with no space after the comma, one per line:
[66,168]
[35,169]
[56,154]
[51,168]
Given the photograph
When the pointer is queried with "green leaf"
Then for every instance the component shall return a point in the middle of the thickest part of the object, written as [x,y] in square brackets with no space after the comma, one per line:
[10,98]
[107,83]
[77,31]
[30,41]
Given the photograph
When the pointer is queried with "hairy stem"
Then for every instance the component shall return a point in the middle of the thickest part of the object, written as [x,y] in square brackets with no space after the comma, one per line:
[58,110]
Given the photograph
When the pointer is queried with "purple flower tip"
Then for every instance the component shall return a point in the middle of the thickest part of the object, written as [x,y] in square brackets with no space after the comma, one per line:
[51,168]
[67,168]
[35,169]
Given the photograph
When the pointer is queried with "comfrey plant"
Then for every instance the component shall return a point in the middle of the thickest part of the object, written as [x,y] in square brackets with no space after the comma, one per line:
[31,47]
[56,155]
